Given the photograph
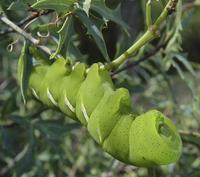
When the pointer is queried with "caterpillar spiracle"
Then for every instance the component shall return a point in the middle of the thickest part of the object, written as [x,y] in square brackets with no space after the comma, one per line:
[89,96]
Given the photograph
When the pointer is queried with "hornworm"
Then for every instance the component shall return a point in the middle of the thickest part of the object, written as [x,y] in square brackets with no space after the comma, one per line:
[89,96]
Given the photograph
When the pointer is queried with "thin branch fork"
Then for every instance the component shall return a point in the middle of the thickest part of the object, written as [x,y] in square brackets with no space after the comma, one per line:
[148,36]
[144,58]
[26,35]
[151,33]
[25,21]
[19,30]
[147,56]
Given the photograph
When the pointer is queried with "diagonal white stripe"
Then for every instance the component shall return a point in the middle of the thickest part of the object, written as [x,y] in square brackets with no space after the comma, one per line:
[68,104]
[84,112]
[50,96]
[35,93]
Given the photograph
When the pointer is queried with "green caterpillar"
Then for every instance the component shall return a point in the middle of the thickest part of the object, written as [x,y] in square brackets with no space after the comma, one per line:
[88,95]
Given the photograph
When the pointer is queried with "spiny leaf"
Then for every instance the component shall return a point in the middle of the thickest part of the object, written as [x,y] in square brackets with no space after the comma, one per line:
[100,23]
[94,32]
[73,52]
[65,34]
[86,4]
[58,5]
[113,15]
[24,68]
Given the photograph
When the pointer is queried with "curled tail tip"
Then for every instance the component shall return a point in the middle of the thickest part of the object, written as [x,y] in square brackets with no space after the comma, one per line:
[154,140]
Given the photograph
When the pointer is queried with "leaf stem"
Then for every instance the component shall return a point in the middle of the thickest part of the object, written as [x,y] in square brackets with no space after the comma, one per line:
[148,14]
[151,33]
[146,37]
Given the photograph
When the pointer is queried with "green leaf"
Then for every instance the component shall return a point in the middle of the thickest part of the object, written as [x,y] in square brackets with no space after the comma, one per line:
[55,129]
[7,140]
[86,4]
[186,63]
[24,69]
[26,162]
[21,121]
[65,34]
[193,138]
[178,68]
[40,58]
[10,104]
[109,14]
[100,23]
[46,28]
[57,5]
[94,32]
[73,52]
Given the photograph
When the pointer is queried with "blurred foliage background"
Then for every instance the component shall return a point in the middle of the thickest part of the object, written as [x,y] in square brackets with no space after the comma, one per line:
[36,141]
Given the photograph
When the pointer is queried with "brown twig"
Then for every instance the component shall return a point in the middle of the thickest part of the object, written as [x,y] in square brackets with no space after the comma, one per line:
[12,25]
[25,21]
[23,33]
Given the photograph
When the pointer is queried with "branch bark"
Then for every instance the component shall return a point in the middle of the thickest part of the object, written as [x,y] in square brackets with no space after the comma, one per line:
[25,21]
[26,35]
[136,63]
[148,36]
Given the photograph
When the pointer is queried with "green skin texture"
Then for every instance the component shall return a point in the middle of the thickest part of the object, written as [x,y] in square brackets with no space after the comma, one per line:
[88,96]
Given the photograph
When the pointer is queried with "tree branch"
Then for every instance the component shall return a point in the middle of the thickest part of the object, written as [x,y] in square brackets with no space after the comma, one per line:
[186,7]
[144,58]
[25,21]
[19,30]
[26,35]
[148,36]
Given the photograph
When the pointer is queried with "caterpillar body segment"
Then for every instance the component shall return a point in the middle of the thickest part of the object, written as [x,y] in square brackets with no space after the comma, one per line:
[88,95]
[68,90]
[118,142]
[36,81]
[91,92]
[114,104]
